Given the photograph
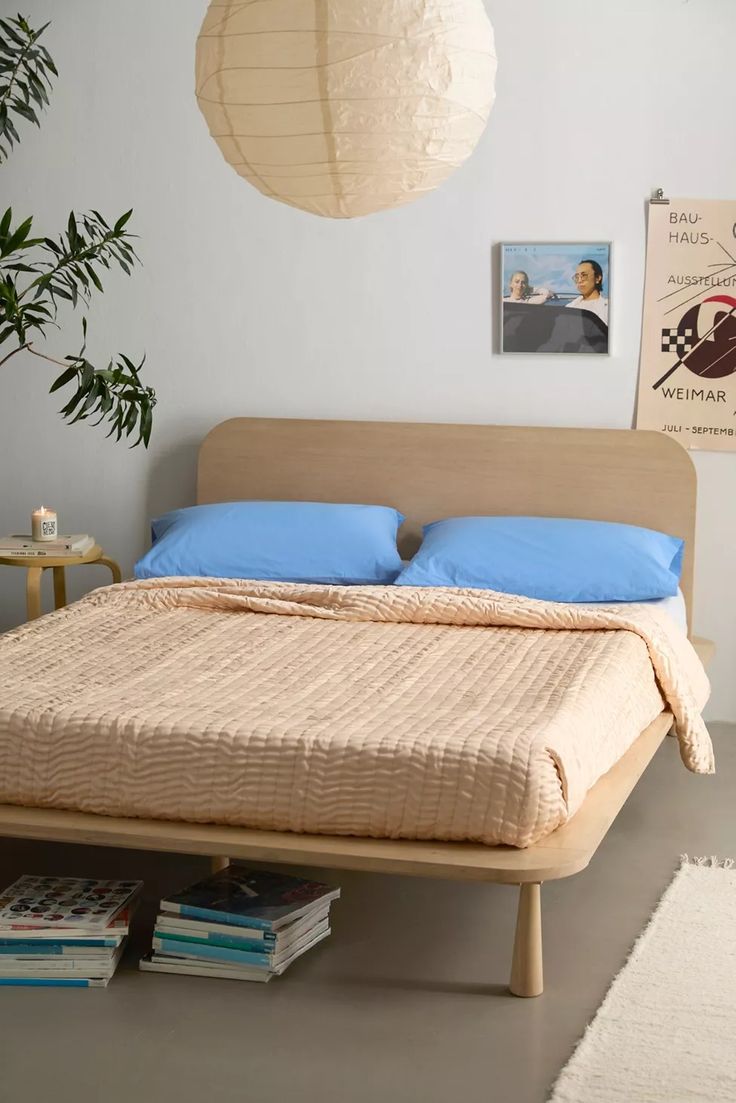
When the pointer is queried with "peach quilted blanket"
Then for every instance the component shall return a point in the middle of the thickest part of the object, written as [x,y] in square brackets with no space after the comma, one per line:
[380,711]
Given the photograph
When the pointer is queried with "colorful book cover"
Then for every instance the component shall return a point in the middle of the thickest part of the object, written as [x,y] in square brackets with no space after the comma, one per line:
[64,902]
[250,898]
[116,930]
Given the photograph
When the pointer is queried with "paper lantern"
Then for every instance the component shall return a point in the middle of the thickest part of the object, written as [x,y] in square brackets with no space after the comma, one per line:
[345,107]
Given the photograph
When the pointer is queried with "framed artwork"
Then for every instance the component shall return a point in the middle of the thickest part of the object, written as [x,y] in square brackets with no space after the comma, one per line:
[555,298]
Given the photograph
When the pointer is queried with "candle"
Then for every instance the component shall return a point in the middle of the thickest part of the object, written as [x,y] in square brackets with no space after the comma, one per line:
[44,524]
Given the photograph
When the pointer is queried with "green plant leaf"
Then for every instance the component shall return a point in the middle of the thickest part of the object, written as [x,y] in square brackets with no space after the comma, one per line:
[16,239]
[28,68]
[37,274]
[122,221]
[63,379]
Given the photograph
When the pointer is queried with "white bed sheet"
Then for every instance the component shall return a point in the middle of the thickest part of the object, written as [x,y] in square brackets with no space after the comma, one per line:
[674,607]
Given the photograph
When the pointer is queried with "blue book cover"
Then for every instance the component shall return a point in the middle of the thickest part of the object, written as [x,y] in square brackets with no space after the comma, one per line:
[49,949]
[48,982]
[180,948]
[229,942]
[244,897]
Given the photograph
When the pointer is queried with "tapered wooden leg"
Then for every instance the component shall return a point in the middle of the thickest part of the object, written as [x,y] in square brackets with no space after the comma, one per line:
[33,592]
[219,863]
[114,568]
[526,968]
[59,588]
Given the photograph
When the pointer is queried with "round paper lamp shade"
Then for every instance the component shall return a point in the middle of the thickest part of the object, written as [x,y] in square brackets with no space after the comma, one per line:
[345,107]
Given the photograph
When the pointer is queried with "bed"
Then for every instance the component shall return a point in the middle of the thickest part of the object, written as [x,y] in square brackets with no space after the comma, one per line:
[376,795]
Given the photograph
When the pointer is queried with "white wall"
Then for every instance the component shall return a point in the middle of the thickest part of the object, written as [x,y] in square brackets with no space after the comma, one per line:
[245,306]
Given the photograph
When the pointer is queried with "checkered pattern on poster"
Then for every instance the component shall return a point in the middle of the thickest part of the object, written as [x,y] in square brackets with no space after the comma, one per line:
[687,376]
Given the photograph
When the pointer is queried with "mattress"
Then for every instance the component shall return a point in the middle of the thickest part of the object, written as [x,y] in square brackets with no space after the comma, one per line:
[388,712]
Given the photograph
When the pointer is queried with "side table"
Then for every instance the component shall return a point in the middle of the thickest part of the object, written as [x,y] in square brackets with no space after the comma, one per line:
[36,565]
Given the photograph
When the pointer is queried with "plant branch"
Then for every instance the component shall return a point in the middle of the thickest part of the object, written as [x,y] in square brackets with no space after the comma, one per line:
[19,349]
[29,348]
[68,266]
[91,252]
[51,360]
[26,70]
[14,74]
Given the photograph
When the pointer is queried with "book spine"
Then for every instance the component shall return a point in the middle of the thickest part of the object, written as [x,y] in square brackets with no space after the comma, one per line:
[219,917]
[60,543]
[211,953]
[53,965]
[227,942]
[52,982]
[10,936]
[37,553]
[185,967]
[24,949]
[46,946]
[177,924]
[61,957]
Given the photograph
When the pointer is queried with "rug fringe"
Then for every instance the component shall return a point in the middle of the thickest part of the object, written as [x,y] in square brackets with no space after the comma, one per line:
[711,862]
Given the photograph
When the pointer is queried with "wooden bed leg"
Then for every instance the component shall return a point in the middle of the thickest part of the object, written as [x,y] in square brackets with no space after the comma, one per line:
[526,967]
[218,863]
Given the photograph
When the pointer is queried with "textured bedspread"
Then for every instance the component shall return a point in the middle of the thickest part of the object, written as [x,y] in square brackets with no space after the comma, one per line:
[381,711]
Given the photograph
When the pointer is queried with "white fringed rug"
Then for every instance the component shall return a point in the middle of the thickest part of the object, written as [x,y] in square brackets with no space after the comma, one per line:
[666,1031]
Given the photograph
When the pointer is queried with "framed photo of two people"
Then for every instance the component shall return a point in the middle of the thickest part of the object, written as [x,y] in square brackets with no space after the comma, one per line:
[555,298]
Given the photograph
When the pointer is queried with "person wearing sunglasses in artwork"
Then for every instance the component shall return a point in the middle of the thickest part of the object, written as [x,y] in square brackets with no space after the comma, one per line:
[588,280]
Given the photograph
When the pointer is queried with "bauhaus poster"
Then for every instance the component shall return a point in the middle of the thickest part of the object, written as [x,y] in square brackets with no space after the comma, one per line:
[687,377]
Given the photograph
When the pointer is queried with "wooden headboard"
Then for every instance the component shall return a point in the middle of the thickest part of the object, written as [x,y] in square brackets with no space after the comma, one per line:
[430,471]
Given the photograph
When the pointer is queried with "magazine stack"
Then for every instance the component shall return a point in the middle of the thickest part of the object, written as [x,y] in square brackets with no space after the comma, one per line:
[64,931]
[244,924]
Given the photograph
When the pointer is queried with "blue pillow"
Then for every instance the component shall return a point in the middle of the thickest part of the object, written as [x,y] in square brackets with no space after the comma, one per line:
[552,558]
[277,541]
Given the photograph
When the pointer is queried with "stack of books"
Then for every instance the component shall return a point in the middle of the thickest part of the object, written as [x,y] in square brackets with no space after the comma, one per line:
[64,931]
[61,547]
[244,924]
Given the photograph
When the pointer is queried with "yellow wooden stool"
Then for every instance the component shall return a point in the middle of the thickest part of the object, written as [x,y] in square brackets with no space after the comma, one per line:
[36,565]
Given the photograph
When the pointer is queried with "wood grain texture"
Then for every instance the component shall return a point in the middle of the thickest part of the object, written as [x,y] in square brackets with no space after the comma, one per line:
[706,649]
[36,565]
[527,973]
[34,607]
[59,587]
[431,471]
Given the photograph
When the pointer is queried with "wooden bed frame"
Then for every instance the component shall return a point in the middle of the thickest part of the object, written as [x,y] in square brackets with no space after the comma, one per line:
[429,472]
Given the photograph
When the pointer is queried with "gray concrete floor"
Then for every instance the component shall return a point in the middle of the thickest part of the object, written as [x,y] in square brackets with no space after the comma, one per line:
[406,1002]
